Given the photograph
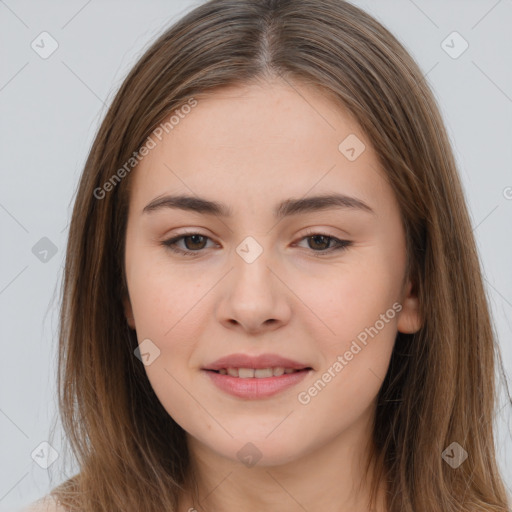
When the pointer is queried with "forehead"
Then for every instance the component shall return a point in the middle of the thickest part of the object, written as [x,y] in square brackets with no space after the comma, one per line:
[250,144]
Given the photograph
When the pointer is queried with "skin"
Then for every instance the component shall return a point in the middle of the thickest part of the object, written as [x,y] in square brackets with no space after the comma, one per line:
[251,147]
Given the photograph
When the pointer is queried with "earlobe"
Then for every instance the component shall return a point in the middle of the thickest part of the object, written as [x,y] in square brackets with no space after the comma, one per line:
[409,320]
[128,312]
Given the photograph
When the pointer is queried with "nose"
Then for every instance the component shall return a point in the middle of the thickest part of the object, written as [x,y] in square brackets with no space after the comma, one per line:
[253,297]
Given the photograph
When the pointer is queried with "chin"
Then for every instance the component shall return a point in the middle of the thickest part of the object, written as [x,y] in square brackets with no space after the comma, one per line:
[251,451]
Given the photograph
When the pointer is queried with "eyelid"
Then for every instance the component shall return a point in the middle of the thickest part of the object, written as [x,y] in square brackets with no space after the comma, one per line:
[339,244]
[309,232]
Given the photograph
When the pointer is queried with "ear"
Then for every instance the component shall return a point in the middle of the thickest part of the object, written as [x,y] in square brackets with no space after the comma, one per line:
[128,312]
[409,320]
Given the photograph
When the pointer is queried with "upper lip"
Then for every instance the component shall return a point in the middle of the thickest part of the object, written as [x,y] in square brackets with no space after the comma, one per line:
[261,361]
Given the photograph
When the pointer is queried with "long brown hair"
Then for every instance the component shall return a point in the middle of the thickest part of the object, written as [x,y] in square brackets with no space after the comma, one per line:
[439,389]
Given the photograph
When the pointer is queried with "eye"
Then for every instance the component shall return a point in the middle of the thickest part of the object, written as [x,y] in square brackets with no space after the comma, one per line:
[197,243]
[320,243]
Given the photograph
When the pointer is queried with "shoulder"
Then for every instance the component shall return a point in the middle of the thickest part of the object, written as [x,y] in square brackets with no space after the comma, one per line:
[44,504]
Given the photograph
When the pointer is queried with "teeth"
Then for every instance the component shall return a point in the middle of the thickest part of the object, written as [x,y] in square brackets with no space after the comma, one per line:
[245,373]
[259,373]
[233,372]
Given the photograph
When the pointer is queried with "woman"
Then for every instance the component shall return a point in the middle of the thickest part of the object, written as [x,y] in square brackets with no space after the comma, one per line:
[266,297]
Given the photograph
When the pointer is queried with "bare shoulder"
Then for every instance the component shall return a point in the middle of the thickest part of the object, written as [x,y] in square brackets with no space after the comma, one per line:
[44,504]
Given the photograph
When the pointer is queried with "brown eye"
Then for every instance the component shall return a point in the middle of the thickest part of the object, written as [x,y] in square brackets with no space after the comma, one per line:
[320,242]
[194,242]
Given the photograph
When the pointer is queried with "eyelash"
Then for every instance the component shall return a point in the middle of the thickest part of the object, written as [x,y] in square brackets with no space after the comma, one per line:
[341,245]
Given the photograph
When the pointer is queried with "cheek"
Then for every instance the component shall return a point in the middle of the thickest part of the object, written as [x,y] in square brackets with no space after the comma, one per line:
[354,361]
[163,299]
[167,312]
[352,299]
[360,309]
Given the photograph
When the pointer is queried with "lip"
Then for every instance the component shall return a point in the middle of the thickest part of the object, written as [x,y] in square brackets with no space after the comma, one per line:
[260,361]
[254,388]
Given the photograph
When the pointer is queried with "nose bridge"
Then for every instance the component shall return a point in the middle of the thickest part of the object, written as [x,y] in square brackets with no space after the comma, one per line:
[251,261]
[252,297]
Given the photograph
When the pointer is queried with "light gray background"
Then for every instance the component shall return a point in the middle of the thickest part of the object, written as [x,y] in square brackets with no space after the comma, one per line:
[51,109]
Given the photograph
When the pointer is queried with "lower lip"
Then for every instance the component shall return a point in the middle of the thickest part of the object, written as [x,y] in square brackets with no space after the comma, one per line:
[254,388]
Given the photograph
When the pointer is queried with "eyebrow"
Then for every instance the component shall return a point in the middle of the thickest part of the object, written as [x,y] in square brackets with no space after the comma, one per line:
[284,209]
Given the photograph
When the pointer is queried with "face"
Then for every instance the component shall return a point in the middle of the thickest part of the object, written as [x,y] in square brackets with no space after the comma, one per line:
[317,283]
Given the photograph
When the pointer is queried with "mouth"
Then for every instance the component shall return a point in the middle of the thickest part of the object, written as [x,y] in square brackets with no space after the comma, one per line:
[253,377]
[258,373]
[256,383]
